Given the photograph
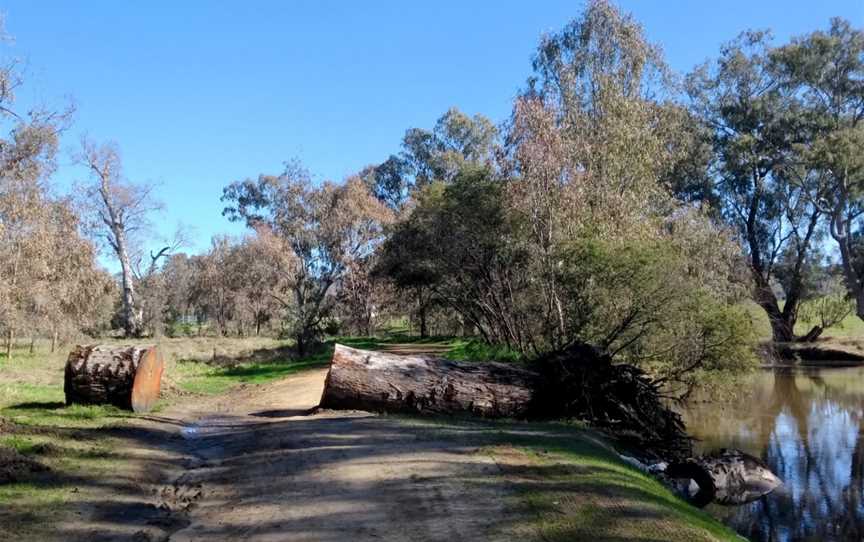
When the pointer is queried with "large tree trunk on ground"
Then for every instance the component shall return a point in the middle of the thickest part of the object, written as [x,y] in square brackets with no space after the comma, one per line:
[378,381]
[125,376]
[728,477]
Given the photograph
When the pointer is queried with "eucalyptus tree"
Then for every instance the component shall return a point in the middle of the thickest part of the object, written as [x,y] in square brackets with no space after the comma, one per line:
[595,145]
[318,230]
[460,244]
[456,141]
[754,126]
[825,72]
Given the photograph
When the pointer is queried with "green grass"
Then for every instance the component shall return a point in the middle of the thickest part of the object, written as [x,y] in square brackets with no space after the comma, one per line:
[40,405]
[49,432]
[604,498]
[575,488]
[204,378]
[475,350]
[851,327]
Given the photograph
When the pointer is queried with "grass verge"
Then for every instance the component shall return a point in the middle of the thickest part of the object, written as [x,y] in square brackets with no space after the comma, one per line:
[68,441]
[197,377]
[83,447]
[573,487]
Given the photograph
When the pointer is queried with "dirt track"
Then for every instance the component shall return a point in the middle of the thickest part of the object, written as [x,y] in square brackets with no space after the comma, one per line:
[256,465]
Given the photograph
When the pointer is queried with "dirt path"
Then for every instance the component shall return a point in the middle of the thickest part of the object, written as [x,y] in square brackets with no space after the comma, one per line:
[256,465]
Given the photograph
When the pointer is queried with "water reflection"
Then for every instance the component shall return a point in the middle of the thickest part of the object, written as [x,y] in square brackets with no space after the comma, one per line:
[807,426]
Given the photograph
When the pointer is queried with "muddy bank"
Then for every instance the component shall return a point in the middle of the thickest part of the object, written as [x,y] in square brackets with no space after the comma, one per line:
[828,353]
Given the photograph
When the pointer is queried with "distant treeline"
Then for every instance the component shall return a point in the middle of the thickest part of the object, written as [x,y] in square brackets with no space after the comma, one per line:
[620,205]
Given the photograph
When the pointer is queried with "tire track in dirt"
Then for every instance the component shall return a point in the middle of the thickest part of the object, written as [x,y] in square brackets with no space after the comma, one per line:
[260,467]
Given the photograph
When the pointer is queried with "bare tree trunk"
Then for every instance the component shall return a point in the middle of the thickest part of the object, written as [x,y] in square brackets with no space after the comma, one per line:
[10,338]
[840,231]
[54,341]
[131,316]
[32,344]
[850,274]
[811,335]
[782,323]
[379,381]
[424,330]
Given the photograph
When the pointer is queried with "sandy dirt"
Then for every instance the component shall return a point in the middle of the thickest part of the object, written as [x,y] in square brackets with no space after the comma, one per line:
[259,464]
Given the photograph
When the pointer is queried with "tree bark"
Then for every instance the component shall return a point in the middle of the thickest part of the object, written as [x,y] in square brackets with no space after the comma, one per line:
[131,317]
[378,381]
[814,333]
[10,338]
[128,377]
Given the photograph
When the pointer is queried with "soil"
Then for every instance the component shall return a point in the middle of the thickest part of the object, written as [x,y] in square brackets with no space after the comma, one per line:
[15,467]
[262,464]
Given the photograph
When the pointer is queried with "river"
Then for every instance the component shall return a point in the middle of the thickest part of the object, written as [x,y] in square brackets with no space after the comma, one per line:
[808,426]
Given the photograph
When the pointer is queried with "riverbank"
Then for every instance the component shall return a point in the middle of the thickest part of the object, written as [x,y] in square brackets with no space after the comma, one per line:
[260,465]
[824,352]
[805,423]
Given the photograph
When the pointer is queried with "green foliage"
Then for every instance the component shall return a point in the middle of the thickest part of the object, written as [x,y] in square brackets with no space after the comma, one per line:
[475,350]
[638,301]
[460,242]
[829,309]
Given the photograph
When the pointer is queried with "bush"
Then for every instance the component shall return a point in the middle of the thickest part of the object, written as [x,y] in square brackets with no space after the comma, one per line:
[640,302]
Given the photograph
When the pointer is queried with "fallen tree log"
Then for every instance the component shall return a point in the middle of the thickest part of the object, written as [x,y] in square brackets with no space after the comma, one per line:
[379,381]
[128,377]
[577,382]
[729,477]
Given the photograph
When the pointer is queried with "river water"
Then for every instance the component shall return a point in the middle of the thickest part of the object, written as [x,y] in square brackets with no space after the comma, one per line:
[808,426]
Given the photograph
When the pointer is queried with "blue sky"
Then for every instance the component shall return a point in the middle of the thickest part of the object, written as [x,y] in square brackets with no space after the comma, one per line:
[198,94]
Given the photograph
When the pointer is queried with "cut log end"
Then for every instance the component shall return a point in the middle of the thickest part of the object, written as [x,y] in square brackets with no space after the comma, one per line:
[148,380]
[128,377]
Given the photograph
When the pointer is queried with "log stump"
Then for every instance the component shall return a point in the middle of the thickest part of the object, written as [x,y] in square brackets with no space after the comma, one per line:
[382,382]
[124,376]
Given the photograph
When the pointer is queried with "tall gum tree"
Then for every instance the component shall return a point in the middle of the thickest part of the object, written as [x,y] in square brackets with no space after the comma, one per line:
[594,144]
[319,230]
[753,125]
[825,72]
[118,212]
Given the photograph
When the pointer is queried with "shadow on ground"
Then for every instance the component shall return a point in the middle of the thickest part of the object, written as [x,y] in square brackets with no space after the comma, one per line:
[333,477]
